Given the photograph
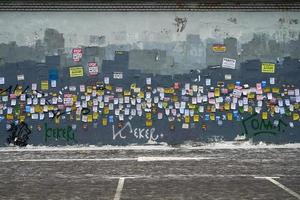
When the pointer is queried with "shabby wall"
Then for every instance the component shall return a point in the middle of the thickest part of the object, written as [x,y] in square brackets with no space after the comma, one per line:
[148,77]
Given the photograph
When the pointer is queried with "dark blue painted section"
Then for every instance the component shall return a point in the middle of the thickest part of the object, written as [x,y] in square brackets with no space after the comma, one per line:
[134,130]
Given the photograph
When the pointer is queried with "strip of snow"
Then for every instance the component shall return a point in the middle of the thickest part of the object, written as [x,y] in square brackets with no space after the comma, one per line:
[69,159]
[220,145]
[85,148]
[243,145]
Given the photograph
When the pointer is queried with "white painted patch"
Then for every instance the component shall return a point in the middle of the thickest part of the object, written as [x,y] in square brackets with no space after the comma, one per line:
[151,159]
[119,189]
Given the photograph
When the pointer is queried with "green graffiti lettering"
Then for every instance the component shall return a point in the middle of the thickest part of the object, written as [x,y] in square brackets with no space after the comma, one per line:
[48,132]
[59,133]
[266,126]
[71,133]
[281,125]
[255,124]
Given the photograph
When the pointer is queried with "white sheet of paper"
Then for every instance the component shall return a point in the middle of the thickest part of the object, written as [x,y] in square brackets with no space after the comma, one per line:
[259,103]
[133,112]
[287,102]
[233,106]
[227,77]
[185,126]
[110,106]
[29,101]
[42,116]
[106,80]
[23,97]
[35,101]
[13,102]
[280,103]
[126,111]
[208,81]
[201,109]
[82,88]
[126,99]
[148,81]
[167,111]
[240,102]
[35,116]
[20,77]
[117,111]
[181,110]
[2,80]
[53,83]
[291,108]
[182,104]
[51,115]
[186,86]
[9,110]
[270,96]
[33,86]
[257,109]
[159,115]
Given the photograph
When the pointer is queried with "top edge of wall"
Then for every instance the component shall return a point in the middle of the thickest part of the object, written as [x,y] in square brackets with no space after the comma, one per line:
[134,5]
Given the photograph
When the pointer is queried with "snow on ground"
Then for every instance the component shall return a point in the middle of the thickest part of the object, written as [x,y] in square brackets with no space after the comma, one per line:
[162,146]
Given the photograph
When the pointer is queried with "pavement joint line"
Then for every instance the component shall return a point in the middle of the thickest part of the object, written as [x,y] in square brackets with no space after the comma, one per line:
[266,177]
[119,189]
[170,158]
[288,190]
[187,175]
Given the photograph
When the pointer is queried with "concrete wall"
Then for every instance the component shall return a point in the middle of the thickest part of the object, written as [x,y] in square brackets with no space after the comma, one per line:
[257,97]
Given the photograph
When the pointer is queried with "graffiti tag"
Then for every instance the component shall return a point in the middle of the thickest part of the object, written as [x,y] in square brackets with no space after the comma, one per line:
[138,133]
[19,134]
[66,133]
[254,126]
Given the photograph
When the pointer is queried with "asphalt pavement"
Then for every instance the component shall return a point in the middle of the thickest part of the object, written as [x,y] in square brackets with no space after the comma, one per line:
[158,173]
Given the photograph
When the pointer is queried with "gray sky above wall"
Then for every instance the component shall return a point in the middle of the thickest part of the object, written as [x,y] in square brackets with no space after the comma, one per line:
[161,27]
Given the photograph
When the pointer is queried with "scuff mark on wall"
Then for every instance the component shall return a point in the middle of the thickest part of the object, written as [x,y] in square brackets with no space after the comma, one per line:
[180,23]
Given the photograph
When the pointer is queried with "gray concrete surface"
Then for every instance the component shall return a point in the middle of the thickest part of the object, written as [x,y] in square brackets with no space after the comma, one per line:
[179,174]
